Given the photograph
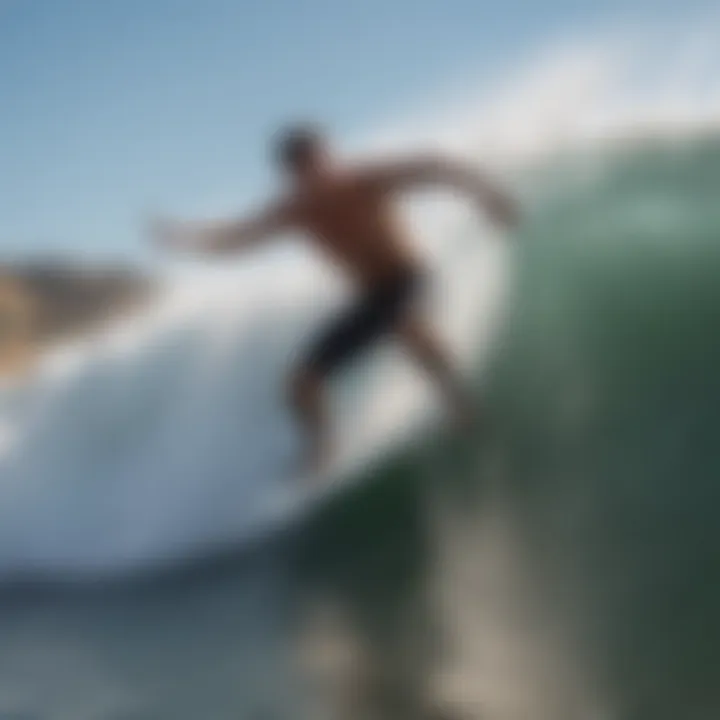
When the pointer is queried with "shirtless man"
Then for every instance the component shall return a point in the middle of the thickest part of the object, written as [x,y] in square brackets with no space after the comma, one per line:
[349,214]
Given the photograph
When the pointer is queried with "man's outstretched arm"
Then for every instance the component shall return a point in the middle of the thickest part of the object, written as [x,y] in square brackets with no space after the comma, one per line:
[438,171]
[210,238]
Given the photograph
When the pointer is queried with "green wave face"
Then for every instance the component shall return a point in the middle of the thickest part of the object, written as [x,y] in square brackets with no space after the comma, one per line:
[598,456]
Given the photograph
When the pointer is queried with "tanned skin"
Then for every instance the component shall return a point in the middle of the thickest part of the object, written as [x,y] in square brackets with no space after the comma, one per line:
[349,212]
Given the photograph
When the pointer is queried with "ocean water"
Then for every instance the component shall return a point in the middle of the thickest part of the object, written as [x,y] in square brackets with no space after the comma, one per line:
[560,565]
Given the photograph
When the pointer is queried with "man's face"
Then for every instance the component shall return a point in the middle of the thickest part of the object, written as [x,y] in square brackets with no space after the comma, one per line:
[312,163]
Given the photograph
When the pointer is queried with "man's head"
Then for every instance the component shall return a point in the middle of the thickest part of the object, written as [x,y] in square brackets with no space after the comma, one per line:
[301,151]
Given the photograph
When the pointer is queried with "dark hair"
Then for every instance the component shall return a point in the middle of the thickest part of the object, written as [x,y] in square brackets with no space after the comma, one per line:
[296,144]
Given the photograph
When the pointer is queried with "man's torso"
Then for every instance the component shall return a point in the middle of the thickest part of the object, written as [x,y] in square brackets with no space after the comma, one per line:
[356,227]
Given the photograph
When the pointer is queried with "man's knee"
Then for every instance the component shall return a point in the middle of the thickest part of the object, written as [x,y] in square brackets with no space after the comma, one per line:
[302,387]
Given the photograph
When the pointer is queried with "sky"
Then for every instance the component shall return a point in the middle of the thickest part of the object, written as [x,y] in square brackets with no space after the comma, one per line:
[109,108]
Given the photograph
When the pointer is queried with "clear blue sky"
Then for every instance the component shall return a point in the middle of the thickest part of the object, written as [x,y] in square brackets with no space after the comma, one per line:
[108,105]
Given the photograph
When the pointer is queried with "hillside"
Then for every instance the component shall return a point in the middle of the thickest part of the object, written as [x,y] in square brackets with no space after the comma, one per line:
[43,303]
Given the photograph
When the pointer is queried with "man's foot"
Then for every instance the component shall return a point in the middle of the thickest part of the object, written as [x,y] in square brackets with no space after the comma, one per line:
[465,416]
[314,463]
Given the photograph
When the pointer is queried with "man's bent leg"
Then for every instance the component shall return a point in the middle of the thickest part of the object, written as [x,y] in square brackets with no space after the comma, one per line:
[306,395]
[351,332]
[425,348]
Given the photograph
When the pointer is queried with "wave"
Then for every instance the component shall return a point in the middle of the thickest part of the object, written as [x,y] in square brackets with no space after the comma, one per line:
[168,434]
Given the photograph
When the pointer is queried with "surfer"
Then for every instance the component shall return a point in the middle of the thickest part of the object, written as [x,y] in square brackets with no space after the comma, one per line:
[348,212]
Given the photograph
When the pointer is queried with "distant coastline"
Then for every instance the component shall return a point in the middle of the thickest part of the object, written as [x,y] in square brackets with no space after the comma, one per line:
[44,302]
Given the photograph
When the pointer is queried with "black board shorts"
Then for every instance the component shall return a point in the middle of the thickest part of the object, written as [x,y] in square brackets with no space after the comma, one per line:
[376,313]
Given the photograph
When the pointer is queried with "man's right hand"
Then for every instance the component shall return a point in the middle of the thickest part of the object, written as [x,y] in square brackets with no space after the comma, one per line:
[166,234]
